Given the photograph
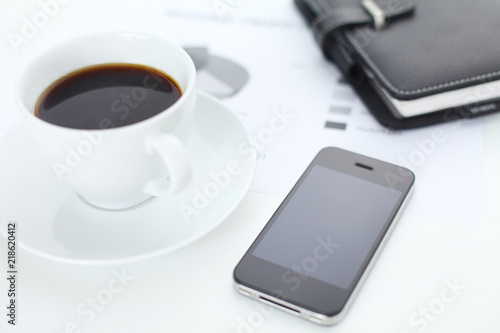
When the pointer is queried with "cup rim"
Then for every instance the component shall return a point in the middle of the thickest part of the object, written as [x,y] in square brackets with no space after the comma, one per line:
[185,94]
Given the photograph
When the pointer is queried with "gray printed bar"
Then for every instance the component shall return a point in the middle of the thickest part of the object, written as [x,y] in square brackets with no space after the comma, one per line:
[334,125]
[340,110]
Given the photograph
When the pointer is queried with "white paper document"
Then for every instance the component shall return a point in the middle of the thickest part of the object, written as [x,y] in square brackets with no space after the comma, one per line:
[261,60]
[295,102]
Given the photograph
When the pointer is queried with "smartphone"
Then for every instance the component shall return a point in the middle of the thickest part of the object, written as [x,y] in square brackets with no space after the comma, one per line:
[319,246]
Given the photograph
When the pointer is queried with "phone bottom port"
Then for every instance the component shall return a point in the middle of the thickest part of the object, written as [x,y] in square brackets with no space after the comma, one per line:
[278,305]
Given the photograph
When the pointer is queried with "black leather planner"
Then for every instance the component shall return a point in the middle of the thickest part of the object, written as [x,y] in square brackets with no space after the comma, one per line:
[413,62]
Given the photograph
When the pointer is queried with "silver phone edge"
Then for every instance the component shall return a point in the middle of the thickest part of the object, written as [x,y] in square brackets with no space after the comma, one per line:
[319,318]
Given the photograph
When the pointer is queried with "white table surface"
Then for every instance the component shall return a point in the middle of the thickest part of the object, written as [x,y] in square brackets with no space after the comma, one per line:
[191,290]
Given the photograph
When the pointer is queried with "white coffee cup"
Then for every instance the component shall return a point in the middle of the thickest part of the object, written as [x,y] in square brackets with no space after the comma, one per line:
[122,167]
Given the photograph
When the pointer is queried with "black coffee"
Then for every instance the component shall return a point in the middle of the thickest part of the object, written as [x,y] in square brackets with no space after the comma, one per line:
[104,96]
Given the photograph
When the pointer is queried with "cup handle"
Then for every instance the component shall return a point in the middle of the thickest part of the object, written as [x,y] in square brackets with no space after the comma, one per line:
[176,162]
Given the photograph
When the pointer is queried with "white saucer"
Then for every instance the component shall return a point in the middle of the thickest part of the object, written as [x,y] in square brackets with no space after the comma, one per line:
[55,223]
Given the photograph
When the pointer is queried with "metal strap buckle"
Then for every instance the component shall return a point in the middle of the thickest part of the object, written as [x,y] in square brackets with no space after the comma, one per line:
[376,12]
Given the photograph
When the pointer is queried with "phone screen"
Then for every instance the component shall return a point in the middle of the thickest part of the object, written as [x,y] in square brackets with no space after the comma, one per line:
[328,226]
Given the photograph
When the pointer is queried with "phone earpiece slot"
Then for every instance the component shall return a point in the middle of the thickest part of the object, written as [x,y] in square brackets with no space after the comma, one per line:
[367,167]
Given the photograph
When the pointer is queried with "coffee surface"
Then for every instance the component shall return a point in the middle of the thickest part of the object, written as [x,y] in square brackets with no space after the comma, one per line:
[106,96]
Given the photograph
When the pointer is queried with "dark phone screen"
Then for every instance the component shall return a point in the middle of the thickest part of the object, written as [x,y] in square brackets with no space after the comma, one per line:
[328,227]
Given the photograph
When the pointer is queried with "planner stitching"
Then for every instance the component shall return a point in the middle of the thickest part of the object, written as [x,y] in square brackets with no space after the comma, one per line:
[419,90]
